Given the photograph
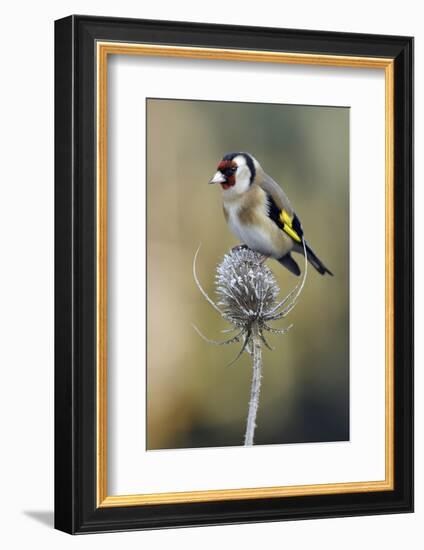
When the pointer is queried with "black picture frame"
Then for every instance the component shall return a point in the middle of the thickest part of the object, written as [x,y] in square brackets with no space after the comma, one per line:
[76,509]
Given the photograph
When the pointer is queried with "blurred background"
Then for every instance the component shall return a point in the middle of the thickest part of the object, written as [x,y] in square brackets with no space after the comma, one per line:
[193,398]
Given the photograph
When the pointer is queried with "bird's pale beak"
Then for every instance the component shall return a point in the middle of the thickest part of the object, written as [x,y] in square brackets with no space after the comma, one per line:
[218,178]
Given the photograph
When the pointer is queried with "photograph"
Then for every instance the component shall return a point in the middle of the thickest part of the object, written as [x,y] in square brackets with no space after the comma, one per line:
[210,299]
[247,255]
[233,273]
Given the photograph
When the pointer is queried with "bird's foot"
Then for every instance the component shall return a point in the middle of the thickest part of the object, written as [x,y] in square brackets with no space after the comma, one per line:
[239,247]
[264,259]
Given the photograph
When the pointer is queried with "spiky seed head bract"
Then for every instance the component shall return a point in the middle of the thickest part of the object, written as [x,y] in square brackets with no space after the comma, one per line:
[246,288]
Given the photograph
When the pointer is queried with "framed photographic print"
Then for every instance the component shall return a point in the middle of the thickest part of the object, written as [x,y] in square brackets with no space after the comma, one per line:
[234,274]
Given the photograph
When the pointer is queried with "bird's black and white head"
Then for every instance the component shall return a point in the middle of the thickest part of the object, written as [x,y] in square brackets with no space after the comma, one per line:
[236,173]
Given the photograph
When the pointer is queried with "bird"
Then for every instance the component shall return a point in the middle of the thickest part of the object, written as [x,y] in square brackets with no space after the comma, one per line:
[260,214]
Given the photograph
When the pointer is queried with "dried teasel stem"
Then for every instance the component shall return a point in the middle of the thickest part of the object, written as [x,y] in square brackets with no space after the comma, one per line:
[248,300]
[255,388]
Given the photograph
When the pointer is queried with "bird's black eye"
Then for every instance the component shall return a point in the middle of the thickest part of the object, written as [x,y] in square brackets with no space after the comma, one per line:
[229,171]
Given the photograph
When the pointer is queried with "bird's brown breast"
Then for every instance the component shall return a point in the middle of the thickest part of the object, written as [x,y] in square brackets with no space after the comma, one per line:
[251,207]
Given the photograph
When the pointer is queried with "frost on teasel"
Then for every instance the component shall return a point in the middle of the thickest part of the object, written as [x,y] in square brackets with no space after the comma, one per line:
[248,299]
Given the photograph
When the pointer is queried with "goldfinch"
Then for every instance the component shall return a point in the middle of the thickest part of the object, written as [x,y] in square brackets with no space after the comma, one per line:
[260,214]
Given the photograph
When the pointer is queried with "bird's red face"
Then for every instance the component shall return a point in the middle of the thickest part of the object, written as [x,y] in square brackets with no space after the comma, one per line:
[226,174]
[228,169]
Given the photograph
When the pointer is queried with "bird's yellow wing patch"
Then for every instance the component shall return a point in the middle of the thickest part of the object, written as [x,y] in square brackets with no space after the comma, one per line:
[287,222]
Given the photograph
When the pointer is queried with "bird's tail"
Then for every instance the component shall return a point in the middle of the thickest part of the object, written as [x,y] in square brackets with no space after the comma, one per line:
[316,262]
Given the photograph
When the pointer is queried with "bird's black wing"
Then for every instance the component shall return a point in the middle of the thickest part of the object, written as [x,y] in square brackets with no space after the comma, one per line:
[290,224]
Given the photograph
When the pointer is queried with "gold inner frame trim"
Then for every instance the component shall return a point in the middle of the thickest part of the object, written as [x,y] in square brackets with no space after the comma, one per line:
[104,49]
